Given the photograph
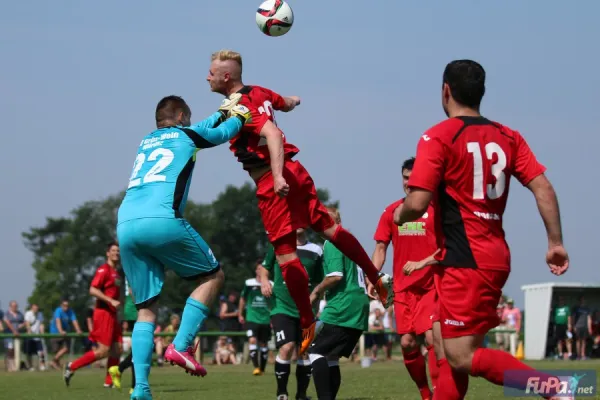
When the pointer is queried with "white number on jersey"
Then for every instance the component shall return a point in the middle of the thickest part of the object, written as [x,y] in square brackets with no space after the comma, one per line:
[361,279]
[267,108]
[492,191]
[166,158]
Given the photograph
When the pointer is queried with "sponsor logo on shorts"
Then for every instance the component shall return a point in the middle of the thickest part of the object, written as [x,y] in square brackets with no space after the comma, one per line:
[453,322]
[568,383]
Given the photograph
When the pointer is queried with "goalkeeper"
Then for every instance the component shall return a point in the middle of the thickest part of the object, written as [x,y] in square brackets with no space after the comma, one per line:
[153,235]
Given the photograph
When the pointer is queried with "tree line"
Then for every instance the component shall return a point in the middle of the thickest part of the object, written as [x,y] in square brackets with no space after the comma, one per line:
[67,250]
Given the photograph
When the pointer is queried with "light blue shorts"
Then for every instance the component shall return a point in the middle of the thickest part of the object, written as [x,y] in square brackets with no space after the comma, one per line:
[149,245]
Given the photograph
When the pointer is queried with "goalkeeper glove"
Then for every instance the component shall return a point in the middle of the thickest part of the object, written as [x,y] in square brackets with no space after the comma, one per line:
[241,112]
[228,103]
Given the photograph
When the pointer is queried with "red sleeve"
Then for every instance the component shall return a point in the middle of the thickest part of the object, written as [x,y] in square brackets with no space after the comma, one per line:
[99,278]
[428,170]
[384,228]
[258,119]
[277,100]
[527,166]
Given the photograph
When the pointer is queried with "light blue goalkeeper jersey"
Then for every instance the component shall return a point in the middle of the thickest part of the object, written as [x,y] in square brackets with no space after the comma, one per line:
[162,171]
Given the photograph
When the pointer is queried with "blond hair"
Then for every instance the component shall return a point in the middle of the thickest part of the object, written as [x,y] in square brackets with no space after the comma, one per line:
[335,214]
[227,55]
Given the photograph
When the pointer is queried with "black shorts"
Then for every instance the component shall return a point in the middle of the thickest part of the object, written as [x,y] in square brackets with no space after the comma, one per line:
[335,341]
[33,346]
[262,332]
[287,329]
[372,339]
[560,332]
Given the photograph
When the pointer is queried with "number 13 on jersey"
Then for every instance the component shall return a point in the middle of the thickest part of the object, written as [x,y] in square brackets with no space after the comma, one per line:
[493,191]
[166,158]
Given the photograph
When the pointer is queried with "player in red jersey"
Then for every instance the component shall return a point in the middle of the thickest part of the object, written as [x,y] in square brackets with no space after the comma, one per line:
[466,162]
[286,193]
[414,245]
[106,288]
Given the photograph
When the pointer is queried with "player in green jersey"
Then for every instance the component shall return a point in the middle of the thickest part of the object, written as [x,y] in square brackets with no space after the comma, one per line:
[285,317]
[345,317]
[130,316]
[563,328]
[255,311]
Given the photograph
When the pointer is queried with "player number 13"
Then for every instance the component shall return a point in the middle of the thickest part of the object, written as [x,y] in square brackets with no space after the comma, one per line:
[166,158]
[493,191]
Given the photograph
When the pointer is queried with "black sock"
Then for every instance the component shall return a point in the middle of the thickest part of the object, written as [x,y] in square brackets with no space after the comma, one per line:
[264,357]
[303,373]
[282,373]
[321,375]
[126,363]
[335,378]
[254,355]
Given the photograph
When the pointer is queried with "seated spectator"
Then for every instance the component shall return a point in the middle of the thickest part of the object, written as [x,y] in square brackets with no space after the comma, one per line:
[224,352]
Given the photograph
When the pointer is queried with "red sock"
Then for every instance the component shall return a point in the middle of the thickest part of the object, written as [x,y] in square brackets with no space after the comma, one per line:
[111,362]
[83,361]
[492,365]
[451,385]
[296,280]
[347,244]
[433,367]
[415,364]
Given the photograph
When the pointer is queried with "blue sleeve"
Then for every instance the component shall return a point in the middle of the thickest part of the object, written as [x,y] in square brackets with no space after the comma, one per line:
[56,313]
[72,315]
[211,136]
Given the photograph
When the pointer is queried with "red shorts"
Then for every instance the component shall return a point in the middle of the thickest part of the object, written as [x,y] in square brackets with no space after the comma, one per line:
[414,311]
[107,329]
[301,208]
[468,299]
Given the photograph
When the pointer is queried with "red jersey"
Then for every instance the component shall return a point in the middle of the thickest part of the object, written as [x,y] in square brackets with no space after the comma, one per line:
[468,162]
[248,146]
[413,241]
[107,279]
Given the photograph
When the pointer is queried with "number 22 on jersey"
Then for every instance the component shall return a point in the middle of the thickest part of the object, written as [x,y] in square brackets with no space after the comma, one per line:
[162,158]
[493,191]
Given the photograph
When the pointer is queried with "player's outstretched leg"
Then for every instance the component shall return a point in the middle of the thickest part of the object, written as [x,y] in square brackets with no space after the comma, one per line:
[182,350]
[102,351]
[466,357]
[351,247]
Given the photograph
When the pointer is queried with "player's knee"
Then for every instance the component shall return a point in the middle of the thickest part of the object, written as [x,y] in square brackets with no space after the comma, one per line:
[102,351]
[329,233]
[252,340]
[286,351]
[460,360]
[408,342]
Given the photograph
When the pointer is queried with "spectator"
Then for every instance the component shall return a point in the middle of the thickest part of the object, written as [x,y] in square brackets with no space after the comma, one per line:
[501,326]
[229,315]
[376,335]
[34,323]
[511,317]
[562,329]
[62,320]
[173,327]
[15,324]
[596,335]
[582,324]
[159,346]
[224,352]
[388,325]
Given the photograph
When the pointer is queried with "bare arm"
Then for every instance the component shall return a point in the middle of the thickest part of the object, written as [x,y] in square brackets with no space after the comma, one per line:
[290,103]
[379,254]
[547,204]
[275,145]
[327,283]
[90,324]
[414,206]
[97,293]
[76,326]
[59,326]
[265,284]
[10,326]
[241,308]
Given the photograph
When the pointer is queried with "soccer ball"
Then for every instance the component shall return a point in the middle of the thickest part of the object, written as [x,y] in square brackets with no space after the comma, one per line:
[274,17]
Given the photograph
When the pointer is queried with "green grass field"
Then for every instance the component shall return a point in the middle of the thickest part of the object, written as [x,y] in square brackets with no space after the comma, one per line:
[383,380]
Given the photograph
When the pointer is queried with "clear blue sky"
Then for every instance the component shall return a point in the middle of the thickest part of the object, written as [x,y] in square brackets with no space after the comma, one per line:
[79,82]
